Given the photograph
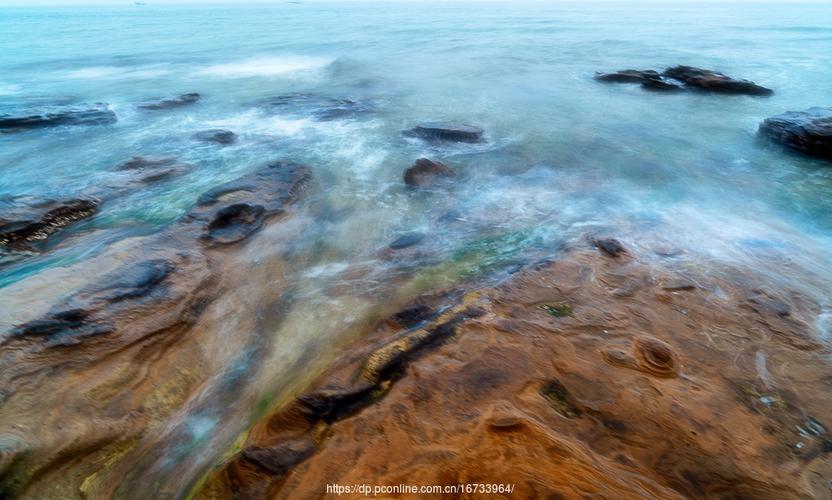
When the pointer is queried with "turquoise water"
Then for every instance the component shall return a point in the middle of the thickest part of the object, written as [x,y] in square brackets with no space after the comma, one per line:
[564,155]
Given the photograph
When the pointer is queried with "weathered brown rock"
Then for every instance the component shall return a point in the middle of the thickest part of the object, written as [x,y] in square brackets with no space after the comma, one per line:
[645,395]
[172,102]
[30,226]
[809,132]
[426,173]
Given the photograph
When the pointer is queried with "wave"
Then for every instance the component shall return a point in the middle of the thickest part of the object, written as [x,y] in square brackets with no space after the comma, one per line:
[266,66]
[116,72]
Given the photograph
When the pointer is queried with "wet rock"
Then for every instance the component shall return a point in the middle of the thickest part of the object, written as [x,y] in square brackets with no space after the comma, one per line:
[414,315]
[279,459]
[31,227]
[764,303]
[685,77]
[153,168]
[98,114]
[655,357]
[235,210]
[89,311]
[660,85]
[172,102]
[446,131]
[610,246]
[319,107]
[235,222]
[426,173]
[628,76]
[558,397]
[809,132]
[217,136]
[557,309]
[407,240]
[712,81]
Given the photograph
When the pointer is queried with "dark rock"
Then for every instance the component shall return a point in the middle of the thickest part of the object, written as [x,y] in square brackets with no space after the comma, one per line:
[660,85]
[99,114]
[218,136]
[629,76]
[237,209]
[235,222]
[712,81]
[809,132]
[144,162]
[414,315]
[172,102]
[133,281]
[31,228]
[446,131]
[610,246]
[323,108]
[89,311]
[691,77]
[450,216]
[425,173]
[407,240]
[154,168]
[279,459]
[330,405]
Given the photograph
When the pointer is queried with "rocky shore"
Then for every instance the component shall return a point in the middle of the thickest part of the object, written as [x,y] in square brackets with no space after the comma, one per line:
[593,373]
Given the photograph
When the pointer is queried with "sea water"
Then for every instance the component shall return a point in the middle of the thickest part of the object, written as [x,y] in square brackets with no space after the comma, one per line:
[564,155]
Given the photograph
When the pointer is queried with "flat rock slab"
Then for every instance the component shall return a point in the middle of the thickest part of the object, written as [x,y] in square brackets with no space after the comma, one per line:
[809,131]
[685,78]
[446,131]
[172,102]
[97,114]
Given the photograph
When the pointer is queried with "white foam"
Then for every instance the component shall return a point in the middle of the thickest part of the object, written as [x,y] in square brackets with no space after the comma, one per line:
[8,89]
[116,72]
[266,66]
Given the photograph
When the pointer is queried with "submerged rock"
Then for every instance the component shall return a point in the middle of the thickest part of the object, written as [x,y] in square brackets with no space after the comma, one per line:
[233,211]
[218,136]
[154,168]
[685,77]
[610,246]
[172,102]
[319,107]
[426,173]
[407,240]
[446,131]
[30,227]
[809,131]
[99,114]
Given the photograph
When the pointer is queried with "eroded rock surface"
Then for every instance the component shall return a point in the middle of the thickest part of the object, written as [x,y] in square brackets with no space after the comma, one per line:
[680,393]
[809,132]
[217,136]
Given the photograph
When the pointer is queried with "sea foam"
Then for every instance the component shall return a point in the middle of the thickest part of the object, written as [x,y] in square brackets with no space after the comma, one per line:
[266,66]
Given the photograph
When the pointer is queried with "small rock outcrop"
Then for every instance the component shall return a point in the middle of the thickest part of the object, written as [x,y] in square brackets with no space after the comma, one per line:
[217,136]
[233,211]
[407,240]
[685,77]
[446,131]
[30,227]
[319,107]
[154,168]
[809,132]
[98,114]
[426,173]
[172,102]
